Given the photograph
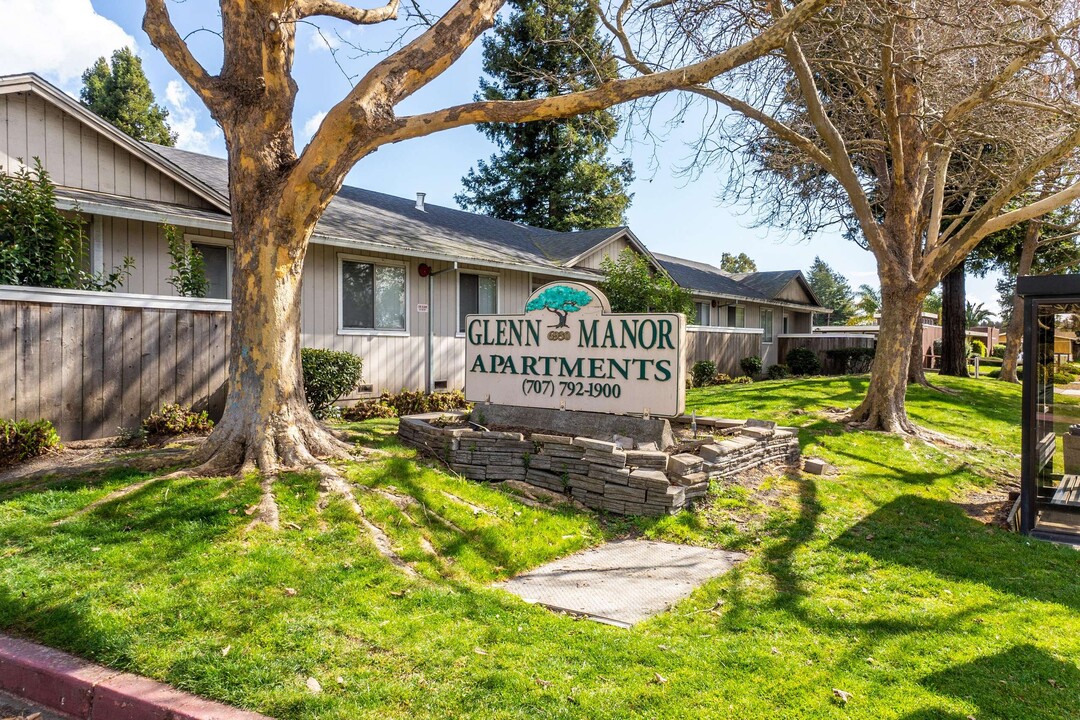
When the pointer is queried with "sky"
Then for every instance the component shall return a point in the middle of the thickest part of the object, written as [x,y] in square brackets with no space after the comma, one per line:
[670,213]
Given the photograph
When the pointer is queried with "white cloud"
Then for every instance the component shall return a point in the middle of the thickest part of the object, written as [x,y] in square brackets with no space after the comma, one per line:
[57,39]
[313,123]
[323,40]
[184,119]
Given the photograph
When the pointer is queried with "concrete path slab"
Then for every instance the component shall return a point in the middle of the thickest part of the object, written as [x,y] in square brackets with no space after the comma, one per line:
[623,582]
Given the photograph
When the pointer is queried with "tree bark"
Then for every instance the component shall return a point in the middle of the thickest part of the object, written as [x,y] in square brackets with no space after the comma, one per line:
[954,323]
[1014,333]
[883,407]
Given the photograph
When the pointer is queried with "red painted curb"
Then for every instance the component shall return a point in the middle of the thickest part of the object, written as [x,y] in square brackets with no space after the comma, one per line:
[73,686]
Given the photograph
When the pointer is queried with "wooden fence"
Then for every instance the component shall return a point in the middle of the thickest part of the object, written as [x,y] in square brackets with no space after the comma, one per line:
[95,362]
[821,344]
[725,347]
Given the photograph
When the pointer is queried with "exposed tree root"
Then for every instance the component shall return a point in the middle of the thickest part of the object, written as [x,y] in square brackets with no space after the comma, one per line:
[529,495]
[266,512]
[476,509]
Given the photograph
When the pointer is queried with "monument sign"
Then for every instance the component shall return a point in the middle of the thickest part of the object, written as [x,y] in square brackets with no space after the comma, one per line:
[569,351]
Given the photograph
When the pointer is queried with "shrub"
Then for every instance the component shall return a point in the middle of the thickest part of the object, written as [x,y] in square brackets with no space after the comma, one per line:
[173,419]
[751,366]
[328,374]
[703,373]
[850,360]
[998,351]
[722,379]
[803,361]
[21,440]
[742,380]
[1063,378]
[406,402]
[978,347]
[368,410]
[189,270]
[778,372]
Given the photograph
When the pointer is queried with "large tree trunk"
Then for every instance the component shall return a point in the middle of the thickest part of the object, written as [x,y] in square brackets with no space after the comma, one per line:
[1014,333]
[883,407]
[267,425]
[954,323]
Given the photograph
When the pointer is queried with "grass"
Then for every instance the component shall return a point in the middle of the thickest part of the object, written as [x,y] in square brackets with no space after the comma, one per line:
[872,581]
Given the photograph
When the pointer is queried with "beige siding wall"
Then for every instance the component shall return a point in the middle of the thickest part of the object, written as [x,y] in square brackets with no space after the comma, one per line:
[596,257]
[396,361]
[145,243]
[794,292]
[78,156]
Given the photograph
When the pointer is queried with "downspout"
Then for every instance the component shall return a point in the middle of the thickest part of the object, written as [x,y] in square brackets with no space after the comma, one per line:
[429,378]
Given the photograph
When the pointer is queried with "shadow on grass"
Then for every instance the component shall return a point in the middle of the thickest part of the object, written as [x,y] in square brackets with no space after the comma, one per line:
[938,537]
[1021,682]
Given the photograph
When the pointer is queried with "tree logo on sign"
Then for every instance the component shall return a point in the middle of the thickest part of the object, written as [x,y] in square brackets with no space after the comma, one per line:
[561,300]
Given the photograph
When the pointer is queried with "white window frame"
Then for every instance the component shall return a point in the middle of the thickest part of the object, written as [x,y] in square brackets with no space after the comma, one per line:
[457,293]
[768,334]
[737,307]
[343,258]
[193,239]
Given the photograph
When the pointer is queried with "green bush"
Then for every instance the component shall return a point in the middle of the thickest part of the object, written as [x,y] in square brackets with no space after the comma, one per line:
[21,440]
[329,374]
[703,373]
[742,380]
[173,419]
[998,351]
[368,410]
[803,361]
[1063,378]
[722,379]
[406,402]
[978,348]
[751,366]
[778,372]
[850,360]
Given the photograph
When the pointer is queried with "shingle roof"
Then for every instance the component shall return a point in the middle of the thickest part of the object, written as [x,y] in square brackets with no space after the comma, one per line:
[378,218]
[769,284]
[706,278]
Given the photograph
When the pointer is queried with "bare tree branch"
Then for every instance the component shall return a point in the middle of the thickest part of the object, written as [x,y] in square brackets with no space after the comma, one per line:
[163,35]
[346,12]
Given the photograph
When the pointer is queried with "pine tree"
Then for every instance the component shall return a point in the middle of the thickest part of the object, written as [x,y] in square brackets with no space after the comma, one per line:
[741,263]
[552,174]
[121,94]
[833,290]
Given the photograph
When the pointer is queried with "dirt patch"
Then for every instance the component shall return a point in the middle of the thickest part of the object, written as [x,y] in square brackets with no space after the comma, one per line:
[87,456]
[991,506]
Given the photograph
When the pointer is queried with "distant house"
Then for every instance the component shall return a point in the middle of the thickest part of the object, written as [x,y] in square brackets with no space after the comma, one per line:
[407,327]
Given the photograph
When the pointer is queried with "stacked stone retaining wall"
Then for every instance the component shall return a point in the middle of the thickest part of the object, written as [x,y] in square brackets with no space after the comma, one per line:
[603,475]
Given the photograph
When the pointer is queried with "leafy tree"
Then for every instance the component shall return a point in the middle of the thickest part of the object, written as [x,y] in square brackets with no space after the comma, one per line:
[279,194]
[741,263]
[561,300]
[976,314]
[632,286]
[933,302]
[120,93]
[867,304]
[552,174]
[39,245]
[833,290]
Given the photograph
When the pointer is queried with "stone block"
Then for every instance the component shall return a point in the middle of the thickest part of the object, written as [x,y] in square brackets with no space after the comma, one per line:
[648,446]
[613,459]
[691,479]
[624,493]
[814,466]
[672,495]
[755,423]
[684,464]
[649,479]
[650,459]
[696,491]
[717,451]
[587,424]
[758,433]
[600,446]
[610,475]
[552,439]
[623,442]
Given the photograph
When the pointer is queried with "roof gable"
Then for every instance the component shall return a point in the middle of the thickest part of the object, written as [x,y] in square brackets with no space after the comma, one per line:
[84,152]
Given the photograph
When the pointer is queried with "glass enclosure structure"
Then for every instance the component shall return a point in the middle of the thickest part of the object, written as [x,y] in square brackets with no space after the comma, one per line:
[1050,473]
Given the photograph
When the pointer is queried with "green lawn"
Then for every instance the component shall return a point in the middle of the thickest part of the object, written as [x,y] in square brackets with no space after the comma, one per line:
[872,581]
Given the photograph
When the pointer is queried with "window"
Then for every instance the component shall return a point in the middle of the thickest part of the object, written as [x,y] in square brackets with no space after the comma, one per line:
[766,325]
[785,324]
[372,296]
[216,266]
[477,294]
[736,316]
[702,310]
